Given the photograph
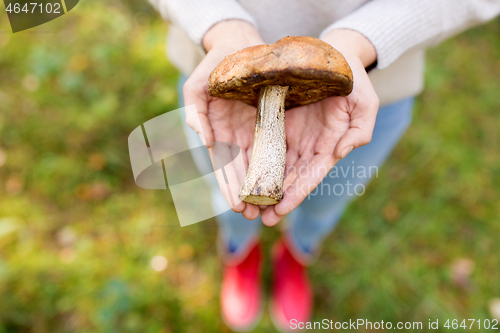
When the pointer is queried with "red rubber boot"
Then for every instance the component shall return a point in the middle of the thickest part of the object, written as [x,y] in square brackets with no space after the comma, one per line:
[292,296]
[241,293]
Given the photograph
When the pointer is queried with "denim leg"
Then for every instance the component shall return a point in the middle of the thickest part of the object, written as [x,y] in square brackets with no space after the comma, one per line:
[320,212]
[235,230]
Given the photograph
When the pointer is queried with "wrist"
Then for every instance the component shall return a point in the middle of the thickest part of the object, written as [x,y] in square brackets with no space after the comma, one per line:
[352,43]
[232,35]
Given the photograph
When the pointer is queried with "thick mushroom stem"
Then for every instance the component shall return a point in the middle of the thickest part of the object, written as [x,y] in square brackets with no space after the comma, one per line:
[263,183]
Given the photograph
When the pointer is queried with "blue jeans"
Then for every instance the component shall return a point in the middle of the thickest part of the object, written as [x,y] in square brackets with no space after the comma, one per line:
[316,217]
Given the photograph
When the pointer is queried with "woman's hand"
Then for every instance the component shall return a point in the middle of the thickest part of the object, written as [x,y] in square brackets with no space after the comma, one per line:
[320,134]
[220,120]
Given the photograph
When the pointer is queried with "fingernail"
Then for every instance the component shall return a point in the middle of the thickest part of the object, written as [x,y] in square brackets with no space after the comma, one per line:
[347,151]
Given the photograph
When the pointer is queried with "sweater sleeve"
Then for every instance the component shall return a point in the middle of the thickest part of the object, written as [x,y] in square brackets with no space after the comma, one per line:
[395,26]
[196,17]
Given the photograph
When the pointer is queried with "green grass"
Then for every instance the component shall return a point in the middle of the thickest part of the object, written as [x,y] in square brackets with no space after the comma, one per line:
[77,235]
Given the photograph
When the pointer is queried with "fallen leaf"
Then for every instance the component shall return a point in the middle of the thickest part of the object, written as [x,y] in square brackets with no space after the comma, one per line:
[66,237]
[14,185]
[461,270]
[31,83]
[78,63]
[67,255]
[186,251]
[97,161]
[494,307]
[3,157]
[391,212]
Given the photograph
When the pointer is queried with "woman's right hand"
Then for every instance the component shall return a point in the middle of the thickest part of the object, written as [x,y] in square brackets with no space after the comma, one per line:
[220,120]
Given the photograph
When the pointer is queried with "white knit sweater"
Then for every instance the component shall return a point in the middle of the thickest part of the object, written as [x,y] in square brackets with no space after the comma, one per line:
[400,30]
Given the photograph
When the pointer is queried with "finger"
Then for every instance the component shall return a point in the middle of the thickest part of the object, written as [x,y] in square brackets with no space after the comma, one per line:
[269,217]
[248,155]
[240,166]
[251,212]
[196,108]
[225,167]
[360,130]
[294,171]
[308,179]
[292,156]
[229,195]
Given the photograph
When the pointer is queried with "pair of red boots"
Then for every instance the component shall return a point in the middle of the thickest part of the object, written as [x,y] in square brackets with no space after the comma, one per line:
[242,296]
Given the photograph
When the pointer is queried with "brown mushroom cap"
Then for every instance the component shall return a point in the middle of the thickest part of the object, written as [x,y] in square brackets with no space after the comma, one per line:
[311,68]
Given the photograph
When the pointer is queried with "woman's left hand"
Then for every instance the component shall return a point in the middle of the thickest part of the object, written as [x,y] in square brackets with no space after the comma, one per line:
[320,134]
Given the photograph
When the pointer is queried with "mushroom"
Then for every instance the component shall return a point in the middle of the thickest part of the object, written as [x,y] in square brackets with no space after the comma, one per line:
[292,72]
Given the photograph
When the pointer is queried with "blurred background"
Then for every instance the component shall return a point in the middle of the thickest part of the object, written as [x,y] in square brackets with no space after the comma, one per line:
[83,249]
